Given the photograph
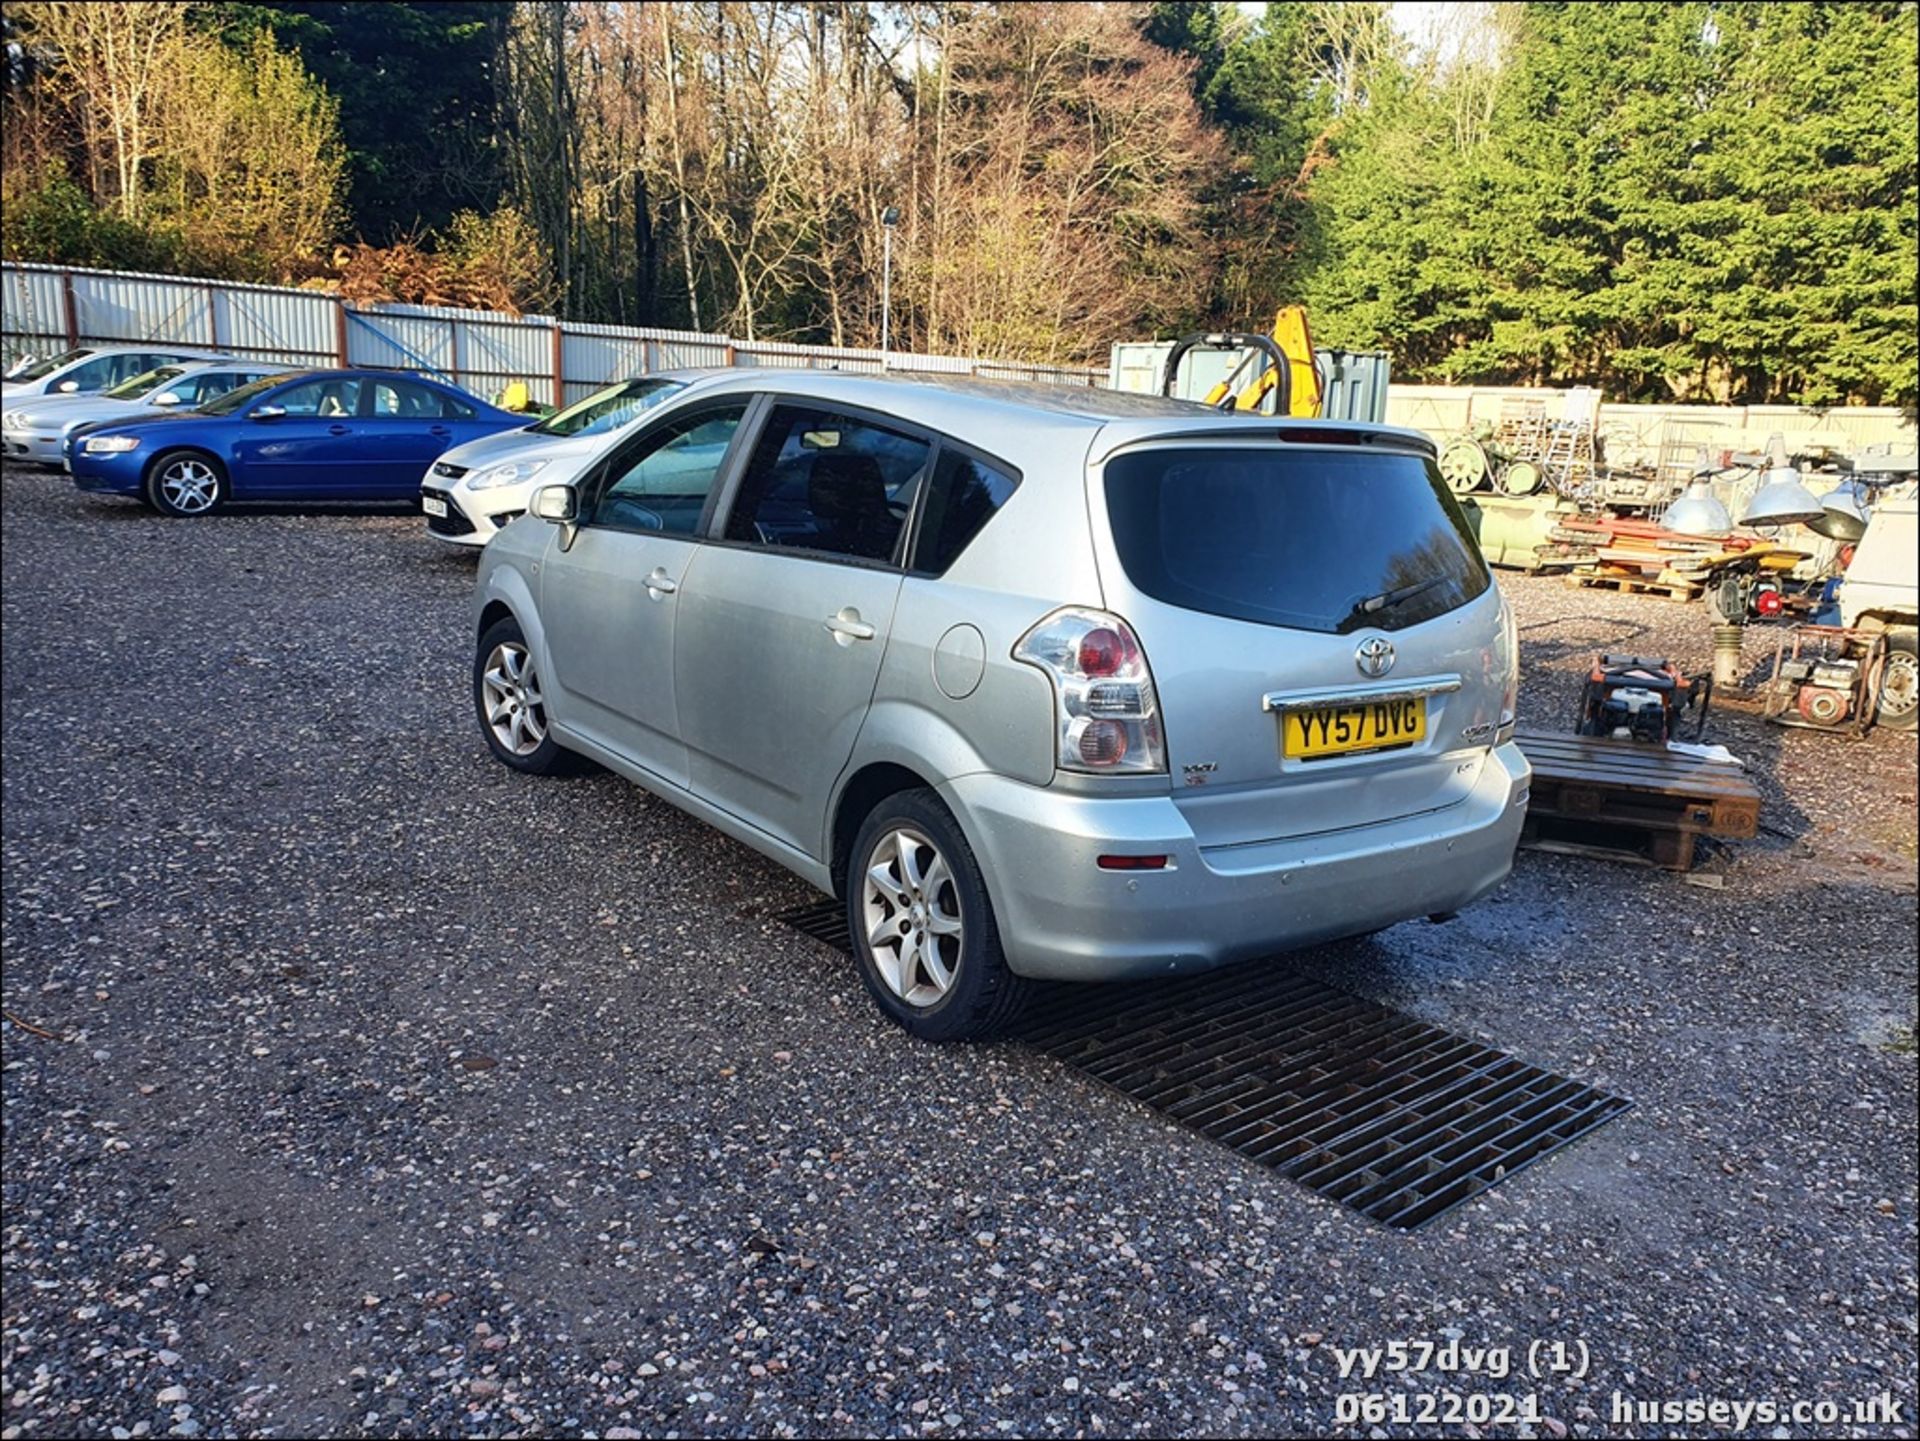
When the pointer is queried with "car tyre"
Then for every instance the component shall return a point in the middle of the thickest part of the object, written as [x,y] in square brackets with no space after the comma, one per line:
[922,924]
[510,701]
[186,484]
[1899,707]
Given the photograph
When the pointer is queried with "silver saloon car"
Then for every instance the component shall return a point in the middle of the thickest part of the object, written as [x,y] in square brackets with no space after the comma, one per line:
[1039,682]
[39,430]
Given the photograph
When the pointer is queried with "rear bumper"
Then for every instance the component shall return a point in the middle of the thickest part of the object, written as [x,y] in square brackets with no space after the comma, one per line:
[1060,916]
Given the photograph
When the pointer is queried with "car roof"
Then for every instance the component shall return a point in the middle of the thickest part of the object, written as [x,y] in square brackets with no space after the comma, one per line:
[159,347]
[975,410]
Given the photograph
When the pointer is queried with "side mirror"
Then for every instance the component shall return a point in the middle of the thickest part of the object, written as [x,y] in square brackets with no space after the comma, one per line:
[167,397]
[67,387]
[559,504]
[267,412]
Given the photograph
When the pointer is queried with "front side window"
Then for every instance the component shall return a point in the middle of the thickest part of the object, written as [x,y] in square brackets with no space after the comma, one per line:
[1310,539]
[661,483]
[607,410]
[96,374]
[321,399]
[827,482]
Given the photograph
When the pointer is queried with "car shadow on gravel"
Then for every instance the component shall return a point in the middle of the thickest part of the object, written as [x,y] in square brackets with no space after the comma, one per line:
[126,507]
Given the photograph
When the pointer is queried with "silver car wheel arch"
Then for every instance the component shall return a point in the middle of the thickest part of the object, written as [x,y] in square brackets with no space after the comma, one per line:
[511,696]
[910,909]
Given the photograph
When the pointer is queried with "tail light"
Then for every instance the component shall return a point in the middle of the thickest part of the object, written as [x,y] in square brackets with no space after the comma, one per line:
[1106,715]
[1510,700]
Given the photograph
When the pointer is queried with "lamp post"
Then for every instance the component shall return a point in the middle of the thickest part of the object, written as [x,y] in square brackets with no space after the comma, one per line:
[889,218]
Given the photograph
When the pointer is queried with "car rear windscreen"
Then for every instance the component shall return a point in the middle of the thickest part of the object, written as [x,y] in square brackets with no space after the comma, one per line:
[1331,540]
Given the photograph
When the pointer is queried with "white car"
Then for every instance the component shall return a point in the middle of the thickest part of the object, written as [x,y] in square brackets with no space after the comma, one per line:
[473,490]
[95,367]
[38,429]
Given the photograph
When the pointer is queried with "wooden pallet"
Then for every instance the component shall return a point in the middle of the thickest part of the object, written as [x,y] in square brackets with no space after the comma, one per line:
[1673,588]
[1632,800]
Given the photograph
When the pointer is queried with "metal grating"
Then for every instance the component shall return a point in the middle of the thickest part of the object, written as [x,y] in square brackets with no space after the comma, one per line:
[1390,1115]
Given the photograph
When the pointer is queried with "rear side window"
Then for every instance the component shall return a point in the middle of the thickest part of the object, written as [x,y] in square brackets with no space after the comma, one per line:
[1320,540]
[827,482]
[965,493]
[405,400]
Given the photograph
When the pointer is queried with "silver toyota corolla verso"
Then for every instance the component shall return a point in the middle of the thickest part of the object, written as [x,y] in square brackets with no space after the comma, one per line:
[1042,682]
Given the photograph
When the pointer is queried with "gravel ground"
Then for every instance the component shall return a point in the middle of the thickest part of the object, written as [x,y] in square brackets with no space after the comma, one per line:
[388,1092]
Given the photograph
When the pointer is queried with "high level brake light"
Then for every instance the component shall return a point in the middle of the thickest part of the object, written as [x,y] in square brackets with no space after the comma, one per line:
[1106,715]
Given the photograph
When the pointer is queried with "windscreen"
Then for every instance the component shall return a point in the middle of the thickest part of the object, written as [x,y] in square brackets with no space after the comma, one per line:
[239,398]
[1331,540]
[609,409]
[140,384]
[39,369]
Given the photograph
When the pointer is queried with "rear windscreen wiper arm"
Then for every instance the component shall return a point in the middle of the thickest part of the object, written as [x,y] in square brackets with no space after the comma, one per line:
[1394,597]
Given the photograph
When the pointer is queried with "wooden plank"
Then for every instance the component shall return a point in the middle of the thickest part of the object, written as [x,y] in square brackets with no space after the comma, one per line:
[1636,795]
[1576,848]
[1629,585]
[1674,851]
[1629,777]
[1689,819]
[1607,750]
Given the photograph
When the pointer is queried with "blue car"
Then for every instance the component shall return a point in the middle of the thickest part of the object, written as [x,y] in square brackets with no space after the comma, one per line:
[310,435]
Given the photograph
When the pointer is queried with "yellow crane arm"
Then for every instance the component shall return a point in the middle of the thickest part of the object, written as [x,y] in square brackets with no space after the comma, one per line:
[1290,333]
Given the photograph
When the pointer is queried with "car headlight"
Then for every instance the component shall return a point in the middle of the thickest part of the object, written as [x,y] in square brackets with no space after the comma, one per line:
[111,444]
[14,420]
[512,473]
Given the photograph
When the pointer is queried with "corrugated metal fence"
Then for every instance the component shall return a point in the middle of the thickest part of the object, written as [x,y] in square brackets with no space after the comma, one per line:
[52,307]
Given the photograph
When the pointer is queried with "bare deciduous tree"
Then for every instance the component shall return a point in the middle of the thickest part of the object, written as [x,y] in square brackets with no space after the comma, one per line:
[114,60]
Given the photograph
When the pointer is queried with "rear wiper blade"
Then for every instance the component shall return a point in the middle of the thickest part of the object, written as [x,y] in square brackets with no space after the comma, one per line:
[1395,596]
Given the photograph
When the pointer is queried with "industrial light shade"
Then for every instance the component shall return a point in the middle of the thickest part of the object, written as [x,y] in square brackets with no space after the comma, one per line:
[1843,514]
[1698,512]
[1783,499]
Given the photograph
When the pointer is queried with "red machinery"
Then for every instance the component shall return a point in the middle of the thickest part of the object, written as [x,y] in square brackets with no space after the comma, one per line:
[1633,698]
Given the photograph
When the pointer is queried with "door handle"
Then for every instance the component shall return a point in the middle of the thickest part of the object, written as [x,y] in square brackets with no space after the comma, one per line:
[847,626]
[339,430]
[660,583]
[438,430]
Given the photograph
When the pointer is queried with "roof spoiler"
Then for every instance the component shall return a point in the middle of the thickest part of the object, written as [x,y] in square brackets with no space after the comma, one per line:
[1309,432]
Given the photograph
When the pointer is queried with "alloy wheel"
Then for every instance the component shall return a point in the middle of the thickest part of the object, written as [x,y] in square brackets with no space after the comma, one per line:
[189,485]
[912,915]
[510,691]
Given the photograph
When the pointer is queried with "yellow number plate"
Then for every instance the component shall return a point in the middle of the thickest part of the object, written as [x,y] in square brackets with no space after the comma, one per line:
[1337,730]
